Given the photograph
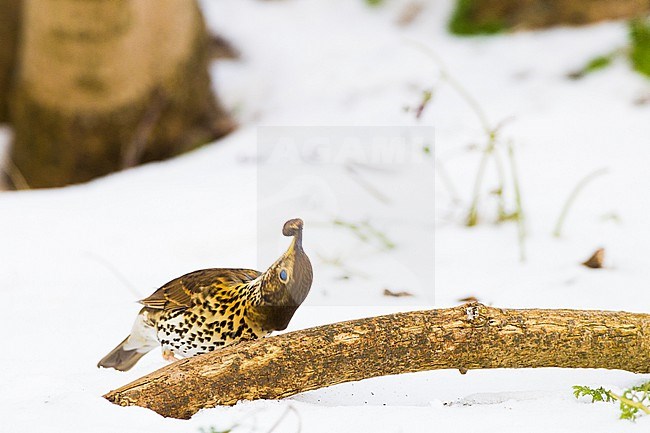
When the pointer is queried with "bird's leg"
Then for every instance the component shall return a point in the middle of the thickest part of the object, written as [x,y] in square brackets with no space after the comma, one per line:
[168,356]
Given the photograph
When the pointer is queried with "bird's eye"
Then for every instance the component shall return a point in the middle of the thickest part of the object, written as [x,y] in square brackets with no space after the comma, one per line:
[283,275]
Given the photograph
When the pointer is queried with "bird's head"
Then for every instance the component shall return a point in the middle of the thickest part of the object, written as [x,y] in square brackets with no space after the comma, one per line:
[293,227]
[286,283]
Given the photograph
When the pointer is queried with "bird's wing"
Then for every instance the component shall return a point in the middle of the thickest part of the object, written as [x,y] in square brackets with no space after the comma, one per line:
[178,294]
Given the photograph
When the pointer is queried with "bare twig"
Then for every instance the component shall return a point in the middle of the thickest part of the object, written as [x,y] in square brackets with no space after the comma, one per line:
[221,48]
[409,13]
[14,174]
[446,181]
[368,186]
[339,263]
[286,412]
[572,197]
[521,223]
[133,150]
[116,272]
[366,232]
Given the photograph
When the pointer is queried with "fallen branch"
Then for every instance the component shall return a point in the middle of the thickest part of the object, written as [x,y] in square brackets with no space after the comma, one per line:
[471,336]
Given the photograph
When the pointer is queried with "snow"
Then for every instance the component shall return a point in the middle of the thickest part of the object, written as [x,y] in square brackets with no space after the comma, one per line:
[75,259]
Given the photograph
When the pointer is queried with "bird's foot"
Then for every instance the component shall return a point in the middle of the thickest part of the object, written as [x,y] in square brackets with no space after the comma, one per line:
[168,356]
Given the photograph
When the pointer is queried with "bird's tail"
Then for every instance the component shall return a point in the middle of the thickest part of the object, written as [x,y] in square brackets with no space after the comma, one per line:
[122,359]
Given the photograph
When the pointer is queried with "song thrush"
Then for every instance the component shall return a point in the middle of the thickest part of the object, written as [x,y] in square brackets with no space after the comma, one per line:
[211,308]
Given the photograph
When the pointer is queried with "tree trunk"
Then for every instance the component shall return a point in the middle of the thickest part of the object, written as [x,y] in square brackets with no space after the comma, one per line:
[9,30]
[108,84]
[467,337]
[491,16]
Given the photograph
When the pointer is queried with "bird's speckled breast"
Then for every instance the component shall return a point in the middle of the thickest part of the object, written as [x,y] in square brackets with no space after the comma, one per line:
[216,318]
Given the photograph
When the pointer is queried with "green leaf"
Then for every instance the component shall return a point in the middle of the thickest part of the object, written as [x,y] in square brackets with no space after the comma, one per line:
[464,23]
[596,394]
[595,64]
[632,403]
[640,50]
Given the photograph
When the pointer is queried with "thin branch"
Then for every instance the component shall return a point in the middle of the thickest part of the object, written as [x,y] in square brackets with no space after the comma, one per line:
[521,222]
[632,403]
[286,412]
[116,273]
[134,150]
[365,184]
[557,232]
[15,175]
[447,181]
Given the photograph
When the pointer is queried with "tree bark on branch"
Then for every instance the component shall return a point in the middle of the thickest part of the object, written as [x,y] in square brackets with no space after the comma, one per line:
[489,16]
[467,337]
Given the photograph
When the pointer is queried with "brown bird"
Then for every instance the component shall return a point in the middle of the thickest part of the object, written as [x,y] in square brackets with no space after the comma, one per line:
[211,308]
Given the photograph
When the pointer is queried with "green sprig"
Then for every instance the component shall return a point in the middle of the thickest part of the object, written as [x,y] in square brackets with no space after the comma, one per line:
[633,402]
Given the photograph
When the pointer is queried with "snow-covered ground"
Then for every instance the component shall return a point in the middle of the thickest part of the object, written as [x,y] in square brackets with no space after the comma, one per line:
[74,260]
